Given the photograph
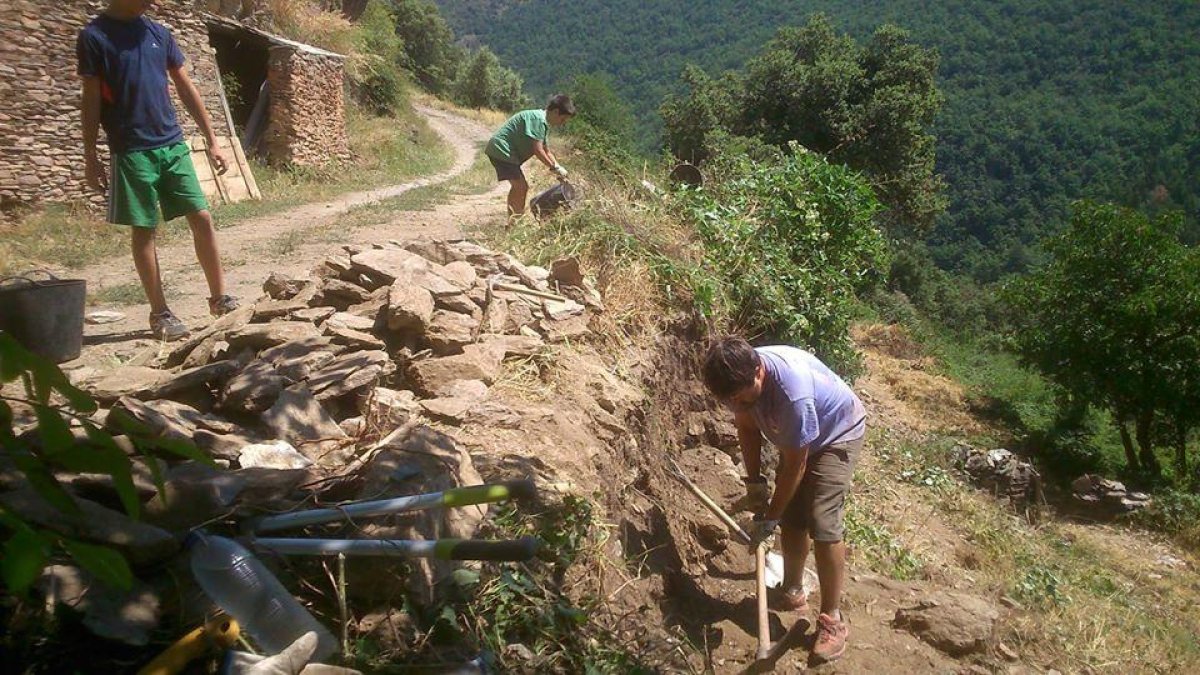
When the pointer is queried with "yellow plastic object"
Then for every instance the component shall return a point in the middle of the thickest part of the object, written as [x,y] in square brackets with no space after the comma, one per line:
[221,632]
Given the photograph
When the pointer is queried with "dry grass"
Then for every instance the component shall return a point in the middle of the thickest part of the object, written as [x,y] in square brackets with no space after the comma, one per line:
[488,117]
[306,21]
[1096,598]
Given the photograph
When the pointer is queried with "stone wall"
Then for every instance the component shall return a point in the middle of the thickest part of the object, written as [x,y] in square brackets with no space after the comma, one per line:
[308,108]
[41,139]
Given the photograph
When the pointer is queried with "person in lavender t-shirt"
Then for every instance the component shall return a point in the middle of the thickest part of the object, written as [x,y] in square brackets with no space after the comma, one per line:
[818,425]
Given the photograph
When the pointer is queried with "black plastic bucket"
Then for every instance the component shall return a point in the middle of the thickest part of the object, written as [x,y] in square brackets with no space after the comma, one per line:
[687,174]
[46,317]
[561,196]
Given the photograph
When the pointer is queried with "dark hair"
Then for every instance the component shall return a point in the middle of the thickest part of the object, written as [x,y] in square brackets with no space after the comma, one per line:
[562,103]
[730,366]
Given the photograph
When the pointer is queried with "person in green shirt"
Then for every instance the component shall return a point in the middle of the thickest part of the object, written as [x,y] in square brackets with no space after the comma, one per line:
[527,134]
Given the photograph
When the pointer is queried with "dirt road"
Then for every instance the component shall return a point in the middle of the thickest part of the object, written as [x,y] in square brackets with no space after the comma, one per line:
[278,243]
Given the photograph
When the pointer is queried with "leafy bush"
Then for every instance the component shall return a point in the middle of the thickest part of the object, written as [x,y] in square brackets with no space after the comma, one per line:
[484,83]
[869,107]
[375,73]
[1175,512]
[52,446]
[794,242]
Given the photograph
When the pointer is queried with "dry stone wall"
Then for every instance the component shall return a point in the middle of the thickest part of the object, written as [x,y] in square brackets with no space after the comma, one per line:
[308,108]
[41,146]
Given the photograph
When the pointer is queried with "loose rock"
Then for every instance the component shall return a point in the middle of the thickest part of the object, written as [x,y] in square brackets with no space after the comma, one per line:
[340,294]
[477,362]
[298,418]
[956,623]
[125,616]
[280,287]
[409,307]
[140,543]
[449,332]
[350,373]
[275,455]
[258,336]
[566,271]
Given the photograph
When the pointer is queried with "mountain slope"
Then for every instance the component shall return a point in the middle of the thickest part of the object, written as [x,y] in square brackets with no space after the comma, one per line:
[1046,102]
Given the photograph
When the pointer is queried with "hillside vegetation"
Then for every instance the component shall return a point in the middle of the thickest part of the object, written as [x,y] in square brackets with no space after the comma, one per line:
[1045,102]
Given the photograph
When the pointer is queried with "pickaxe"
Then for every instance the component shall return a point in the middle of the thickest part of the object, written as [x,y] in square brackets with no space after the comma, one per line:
[767,654]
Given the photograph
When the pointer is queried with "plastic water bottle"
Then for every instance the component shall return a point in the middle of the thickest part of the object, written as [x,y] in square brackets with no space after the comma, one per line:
[242,586]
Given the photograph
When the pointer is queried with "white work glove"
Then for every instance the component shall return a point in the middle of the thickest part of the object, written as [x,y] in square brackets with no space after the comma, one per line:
[761,533]
[758,495]
[560,171]
[290,661]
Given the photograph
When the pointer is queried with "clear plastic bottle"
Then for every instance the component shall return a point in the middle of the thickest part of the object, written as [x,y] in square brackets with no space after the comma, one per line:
[242,586]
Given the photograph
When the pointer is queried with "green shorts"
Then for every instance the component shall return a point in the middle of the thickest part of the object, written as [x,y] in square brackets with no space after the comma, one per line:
[144,180]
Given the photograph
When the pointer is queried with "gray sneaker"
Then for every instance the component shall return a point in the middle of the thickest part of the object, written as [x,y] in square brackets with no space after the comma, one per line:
[222,305]
[167,327]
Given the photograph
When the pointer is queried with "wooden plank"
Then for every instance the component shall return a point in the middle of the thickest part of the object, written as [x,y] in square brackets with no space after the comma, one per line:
[239,158]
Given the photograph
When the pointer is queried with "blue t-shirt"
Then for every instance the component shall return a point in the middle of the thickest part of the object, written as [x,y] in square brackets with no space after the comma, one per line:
[132,58]
[804,403]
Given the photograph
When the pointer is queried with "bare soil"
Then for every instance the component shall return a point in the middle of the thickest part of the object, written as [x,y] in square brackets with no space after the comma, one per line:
[602,423]
[249,254]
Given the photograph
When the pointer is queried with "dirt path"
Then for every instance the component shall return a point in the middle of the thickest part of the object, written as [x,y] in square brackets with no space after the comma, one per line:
[285,242]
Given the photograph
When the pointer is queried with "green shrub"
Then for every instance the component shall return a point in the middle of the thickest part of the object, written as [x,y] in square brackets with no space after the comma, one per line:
[794,242]
[375,75]
[1174,512]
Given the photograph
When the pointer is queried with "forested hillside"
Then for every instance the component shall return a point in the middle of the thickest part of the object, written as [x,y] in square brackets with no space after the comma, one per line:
[1045,101]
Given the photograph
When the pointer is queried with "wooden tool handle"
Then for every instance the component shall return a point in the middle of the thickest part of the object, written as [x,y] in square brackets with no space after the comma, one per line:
[764,621]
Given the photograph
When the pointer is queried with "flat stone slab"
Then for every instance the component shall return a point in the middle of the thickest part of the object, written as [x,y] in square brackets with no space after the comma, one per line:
[258,336]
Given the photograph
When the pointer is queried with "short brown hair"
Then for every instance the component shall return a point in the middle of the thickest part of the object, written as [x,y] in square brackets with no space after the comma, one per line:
[730,366]
[563,104]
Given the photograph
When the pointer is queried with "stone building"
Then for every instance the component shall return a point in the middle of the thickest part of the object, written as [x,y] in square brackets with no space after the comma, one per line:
[291,96]
[41,147]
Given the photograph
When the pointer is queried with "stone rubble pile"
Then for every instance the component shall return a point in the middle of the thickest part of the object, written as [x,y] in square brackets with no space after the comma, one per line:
[1004,473]
[1108,494]
[323,391]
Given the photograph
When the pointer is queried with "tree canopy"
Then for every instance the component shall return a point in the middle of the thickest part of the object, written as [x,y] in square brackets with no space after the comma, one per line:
[1114,319]
[868,107]
[1046,102]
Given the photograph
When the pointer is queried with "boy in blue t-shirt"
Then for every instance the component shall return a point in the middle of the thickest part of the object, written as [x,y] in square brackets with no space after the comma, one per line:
[127,62]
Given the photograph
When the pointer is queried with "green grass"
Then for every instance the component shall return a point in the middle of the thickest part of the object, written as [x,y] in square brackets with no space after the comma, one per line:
[120,294]
[1088,599]
[883,553]
[477,180]
[387,150]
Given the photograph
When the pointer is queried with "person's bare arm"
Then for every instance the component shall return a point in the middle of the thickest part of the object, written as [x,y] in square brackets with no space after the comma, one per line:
[93,167]
[750,441]
[543,154]
[190,96]
[792,463]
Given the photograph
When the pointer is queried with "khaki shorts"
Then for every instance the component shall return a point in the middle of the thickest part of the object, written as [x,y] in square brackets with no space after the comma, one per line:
[820,501]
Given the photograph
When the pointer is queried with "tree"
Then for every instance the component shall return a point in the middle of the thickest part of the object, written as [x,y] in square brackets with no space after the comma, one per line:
[1114,318]
[868,107]
[430,52]
[690,118]
[377,80]
[487,84]
[602,109]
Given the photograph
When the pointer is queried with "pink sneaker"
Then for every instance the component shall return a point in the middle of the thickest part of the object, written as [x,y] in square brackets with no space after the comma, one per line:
[831,639]
[791,600]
